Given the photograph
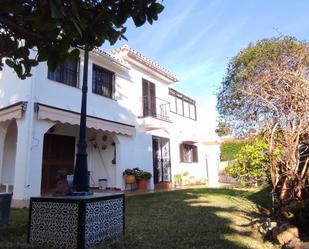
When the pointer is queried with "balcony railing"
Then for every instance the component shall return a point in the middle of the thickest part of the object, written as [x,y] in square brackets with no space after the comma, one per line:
[156,108]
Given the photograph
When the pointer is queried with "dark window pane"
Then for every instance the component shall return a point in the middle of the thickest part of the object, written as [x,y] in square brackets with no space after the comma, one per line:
[188,153]
[102,81]
[66,74]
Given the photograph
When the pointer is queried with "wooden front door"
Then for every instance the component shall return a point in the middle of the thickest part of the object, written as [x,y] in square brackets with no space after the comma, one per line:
[161,159]
[58,154]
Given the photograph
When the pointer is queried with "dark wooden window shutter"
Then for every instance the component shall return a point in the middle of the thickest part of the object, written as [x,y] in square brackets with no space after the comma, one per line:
[113,86]
[149,98]
[195,154]
[181,153]
[152,94]
[145,98]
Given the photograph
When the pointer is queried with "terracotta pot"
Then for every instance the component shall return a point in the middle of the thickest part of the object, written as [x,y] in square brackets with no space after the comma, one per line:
[142,184]
[130,179]
[163,185]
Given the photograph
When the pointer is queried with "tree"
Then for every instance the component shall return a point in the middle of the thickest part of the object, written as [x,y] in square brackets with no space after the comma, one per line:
[56,30]
[223,129]
[51,28]
[266,88]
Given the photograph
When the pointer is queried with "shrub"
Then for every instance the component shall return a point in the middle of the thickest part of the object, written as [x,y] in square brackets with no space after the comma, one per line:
[230,149]
[178,179]
[251,163]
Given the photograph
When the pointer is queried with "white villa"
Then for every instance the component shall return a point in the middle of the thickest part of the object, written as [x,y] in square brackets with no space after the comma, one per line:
[135,119]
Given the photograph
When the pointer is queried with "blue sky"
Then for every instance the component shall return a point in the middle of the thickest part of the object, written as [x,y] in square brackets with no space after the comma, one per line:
[195,39]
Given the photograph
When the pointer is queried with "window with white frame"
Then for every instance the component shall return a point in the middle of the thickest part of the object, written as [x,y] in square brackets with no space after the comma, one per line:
[182,105]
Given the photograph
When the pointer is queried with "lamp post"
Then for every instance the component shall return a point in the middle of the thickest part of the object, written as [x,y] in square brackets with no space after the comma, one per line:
[81,176]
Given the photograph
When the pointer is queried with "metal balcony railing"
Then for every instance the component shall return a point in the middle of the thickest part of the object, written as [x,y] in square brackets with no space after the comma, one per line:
[156,108]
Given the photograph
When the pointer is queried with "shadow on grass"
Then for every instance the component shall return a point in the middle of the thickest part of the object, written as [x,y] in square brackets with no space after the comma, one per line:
[262,197]
[199,218]
[181,219]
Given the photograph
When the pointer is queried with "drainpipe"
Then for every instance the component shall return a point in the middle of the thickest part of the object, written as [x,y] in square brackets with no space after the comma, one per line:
[30,109]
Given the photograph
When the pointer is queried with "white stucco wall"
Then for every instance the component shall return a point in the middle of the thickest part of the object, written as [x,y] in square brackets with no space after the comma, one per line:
[131,151]
[12,89]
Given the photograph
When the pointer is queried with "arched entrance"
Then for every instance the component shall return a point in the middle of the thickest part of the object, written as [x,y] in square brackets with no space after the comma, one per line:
[9,155]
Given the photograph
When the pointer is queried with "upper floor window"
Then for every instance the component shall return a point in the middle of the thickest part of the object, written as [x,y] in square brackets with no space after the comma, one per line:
[188,153]
[182,104]
[103,81]
[67,74]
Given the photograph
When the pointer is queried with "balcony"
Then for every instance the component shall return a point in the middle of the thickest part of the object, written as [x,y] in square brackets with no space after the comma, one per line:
[155,113]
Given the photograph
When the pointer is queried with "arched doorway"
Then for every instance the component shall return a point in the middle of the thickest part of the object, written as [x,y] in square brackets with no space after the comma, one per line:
[58,154]
[9,154]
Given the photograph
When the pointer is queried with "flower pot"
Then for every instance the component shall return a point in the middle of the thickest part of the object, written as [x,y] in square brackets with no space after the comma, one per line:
[163,185]
[142,184]
[130,179]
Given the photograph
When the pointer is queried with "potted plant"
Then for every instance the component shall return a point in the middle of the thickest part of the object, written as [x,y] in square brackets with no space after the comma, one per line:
[143,177]
[177,180]
[129,176]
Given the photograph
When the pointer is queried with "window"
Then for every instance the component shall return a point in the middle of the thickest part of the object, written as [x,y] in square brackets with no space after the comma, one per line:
[67,74]
[172,103]
[103,82]
[188,153]
[182,105]
[179,106]
[186,109]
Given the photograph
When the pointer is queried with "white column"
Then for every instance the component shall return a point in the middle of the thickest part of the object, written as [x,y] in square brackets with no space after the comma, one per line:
[22,147]
[213,160]
[28,164]
[3,128]
[34,168]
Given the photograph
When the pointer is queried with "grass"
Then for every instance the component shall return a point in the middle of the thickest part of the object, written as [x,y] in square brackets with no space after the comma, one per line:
[195,218]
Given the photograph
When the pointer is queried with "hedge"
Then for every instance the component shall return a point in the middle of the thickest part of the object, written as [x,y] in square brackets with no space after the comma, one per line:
[229,149]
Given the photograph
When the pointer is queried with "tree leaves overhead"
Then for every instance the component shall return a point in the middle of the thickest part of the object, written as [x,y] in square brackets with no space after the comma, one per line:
[52,27]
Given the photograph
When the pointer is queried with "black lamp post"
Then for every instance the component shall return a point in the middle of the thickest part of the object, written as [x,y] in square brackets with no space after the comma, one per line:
[81,176]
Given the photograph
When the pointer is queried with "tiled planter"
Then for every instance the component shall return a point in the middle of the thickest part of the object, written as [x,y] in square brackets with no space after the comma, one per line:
[75,221]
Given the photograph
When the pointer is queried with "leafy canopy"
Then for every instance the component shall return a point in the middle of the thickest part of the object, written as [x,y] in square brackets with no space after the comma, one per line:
[222,129]
[52,28]
[264,84]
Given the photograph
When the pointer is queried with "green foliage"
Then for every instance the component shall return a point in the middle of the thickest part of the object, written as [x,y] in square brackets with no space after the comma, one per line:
[251,163]
[184,179]
[138,173]
[52,28]
[255,76]
[223,129]
[229,149]
[129,172]
[178,179]
[265,89]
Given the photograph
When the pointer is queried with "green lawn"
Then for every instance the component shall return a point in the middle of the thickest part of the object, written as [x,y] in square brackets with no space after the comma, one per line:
[195,218]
